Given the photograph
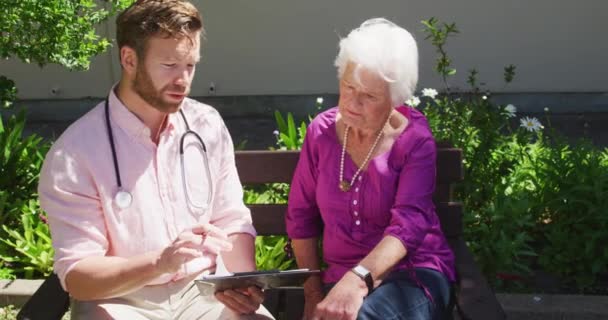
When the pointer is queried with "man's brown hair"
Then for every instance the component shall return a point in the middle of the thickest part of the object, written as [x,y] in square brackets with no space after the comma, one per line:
[148,18]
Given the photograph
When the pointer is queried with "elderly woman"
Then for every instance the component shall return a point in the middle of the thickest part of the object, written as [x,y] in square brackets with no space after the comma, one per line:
[365,180]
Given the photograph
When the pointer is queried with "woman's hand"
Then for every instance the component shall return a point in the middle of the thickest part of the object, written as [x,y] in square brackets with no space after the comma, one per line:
[242,301]
[344,300]
[311,300]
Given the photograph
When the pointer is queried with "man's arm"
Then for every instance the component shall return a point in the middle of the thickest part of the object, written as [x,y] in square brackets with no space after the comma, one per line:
[242,256]
[106,277]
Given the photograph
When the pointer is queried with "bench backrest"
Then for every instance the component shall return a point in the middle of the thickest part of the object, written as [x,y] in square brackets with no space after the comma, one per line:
[258,167]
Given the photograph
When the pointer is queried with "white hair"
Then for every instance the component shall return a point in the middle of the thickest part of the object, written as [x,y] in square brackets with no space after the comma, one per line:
[383,47]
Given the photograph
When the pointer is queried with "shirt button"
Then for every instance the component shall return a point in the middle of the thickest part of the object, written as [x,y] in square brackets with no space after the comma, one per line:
[147,132]
[360,177]
[357,189]
[355,202]
[357,222]
[356,213]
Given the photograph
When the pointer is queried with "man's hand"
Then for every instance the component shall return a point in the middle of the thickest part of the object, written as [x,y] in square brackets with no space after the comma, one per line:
[191,244]
[241,301]
[344,300]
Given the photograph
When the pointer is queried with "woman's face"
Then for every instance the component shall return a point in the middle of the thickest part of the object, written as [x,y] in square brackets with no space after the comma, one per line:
[363,104]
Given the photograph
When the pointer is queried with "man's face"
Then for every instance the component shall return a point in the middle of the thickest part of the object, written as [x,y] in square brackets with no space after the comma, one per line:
[165,73]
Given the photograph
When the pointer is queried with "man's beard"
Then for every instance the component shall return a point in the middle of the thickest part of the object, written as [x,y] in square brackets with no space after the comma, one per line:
[143,86]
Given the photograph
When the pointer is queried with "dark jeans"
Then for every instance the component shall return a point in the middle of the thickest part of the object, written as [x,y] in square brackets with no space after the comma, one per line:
[399,297]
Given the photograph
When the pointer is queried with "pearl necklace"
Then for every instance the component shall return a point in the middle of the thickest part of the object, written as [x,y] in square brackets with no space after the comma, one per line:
[343,184]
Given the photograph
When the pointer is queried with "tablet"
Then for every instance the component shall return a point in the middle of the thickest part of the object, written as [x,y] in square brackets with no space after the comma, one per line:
[263,279]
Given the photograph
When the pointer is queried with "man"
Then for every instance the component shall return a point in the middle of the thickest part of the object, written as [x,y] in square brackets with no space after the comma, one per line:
[133,221]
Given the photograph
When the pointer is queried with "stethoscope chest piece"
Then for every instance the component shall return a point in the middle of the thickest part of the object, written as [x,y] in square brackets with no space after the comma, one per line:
[123,199]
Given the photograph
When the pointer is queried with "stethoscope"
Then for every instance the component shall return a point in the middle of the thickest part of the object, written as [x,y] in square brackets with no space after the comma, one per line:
[124,198]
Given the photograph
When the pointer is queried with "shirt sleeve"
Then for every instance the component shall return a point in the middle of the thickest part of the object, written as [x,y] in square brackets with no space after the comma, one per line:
[69,197]
[229,211]
[413,210]
[303,219]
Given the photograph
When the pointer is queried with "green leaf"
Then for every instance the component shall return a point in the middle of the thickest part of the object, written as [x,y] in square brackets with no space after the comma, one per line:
[280,122]
[291,127]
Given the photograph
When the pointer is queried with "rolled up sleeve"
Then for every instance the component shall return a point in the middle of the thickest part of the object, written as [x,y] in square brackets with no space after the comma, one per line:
[69,197]
[303,219]
[412,212]
[229,211]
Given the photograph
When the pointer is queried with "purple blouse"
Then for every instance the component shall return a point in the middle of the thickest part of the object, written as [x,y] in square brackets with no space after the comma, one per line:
[393,196]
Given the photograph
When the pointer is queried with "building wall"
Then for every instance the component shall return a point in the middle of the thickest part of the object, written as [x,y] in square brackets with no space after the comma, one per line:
[283,47]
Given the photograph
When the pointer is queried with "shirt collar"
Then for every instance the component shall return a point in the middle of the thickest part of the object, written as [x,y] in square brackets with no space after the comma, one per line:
[129,122]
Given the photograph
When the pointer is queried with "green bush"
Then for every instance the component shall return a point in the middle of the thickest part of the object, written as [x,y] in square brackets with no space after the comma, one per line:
[31,242]
[20,162]
[8,313]
[61,31]
[527,190]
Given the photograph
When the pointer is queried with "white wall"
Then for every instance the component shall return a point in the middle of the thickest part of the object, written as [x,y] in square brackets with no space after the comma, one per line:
[287,46]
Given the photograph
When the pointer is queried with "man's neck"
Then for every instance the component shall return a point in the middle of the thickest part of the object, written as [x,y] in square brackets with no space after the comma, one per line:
[149,115]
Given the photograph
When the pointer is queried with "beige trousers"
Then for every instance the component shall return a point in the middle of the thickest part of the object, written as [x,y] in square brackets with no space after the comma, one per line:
[171,301]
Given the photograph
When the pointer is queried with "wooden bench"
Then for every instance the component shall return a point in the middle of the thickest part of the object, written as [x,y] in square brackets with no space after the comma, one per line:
[474,299]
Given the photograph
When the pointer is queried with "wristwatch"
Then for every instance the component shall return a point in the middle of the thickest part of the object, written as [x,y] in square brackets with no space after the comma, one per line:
[365,275]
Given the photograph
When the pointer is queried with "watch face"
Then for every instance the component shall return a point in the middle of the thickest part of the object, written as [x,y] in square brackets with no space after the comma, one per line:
[361,271]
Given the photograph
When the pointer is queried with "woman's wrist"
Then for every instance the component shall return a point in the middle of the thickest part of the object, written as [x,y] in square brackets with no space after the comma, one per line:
[313,286]
[359,283]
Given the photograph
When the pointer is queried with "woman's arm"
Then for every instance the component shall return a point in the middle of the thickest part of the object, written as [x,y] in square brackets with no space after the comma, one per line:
[307,256]
[385,255]
[409,222]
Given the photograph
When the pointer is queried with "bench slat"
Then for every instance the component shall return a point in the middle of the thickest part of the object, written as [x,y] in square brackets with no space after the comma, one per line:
[256,167]
[266,166]
[269,219]
[443,193]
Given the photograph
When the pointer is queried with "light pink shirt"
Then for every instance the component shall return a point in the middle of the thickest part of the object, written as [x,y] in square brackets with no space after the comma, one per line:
[78,184]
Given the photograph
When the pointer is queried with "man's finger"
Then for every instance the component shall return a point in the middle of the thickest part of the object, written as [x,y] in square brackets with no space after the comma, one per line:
[247,303]
[230,303]
[188,242]
[256,294]
[188,253]
[216,245]
[207,229]
[241,299]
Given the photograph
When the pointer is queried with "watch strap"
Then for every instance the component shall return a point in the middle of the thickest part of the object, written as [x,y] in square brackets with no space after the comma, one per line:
[365,276]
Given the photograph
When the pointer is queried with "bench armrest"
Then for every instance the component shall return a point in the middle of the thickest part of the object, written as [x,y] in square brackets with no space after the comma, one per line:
[474,298]
[49,302]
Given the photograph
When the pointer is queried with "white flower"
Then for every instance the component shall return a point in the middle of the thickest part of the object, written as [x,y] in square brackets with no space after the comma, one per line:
[484,97]
[530,124]
[546,109]
[320,100]
[429,92]
[413,101]
[510,110]
[275,132]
